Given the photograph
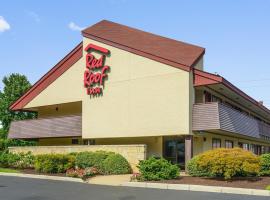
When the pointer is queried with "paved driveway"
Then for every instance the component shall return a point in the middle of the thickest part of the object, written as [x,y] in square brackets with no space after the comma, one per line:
[15,188]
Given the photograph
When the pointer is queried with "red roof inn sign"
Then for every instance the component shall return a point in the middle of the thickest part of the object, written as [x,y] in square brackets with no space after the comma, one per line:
[96,72]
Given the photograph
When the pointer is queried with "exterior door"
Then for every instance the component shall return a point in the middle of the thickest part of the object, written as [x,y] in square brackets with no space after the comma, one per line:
[174,150]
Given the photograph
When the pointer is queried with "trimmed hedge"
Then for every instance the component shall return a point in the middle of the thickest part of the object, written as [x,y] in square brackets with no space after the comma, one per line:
[54,163]
[225,163]
[265,165]
[99,162]
[157,169]
[105,162]
[115,164]
[87,159]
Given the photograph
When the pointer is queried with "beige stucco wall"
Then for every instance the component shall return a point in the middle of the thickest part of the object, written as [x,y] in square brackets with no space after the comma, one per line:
[154,144]
[133,153]
[141,98]
[199,145]
[57,141]
[74,108]
[65,89]
[199,64]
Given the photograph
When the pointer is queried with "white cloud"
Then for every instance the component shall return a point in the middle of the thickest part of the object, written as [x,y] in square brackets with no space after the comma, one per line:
[33,15]
[75,27]
[4,25]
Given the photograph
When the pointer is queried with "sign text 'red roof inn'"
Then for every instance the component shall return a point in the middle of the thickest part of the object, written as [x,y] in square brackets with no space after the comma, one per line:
[96,71]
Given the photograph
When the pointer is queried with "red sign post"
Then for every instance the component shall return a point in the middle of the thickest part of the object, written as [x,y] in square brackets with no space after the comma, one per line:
[96,71]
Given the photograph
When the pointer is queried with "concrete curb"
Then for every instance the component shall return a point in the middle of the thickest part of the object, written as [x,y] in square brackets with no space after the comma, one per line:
[198,188]
[56,178]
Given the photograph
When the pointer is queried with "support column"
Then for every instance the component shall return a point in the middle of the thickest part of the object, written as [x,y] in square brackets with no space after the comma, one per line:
[188,149]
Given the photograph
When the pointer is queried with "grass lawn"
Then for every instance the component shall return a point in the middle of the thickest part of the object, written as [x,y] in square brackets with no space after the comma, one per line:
[7,170]
[268,187]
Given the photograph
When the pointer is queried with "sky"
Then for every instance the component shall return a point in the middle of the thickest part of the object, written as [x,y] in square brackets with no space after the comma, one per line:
[35,35]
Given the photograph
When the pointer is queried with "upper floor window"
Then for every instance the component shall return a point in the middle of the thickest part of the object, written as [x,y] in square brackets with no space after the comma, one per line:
[208,97]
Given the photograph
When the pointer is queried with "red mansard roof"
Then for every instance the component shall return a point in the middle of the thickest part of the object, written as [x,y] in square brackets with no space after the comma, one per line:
[168,51]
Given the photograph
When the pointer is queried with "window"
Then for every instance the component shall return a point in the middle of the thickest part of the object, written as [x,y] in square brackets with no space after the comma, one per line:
[207,97]
[228,144]
[240,145]
[258,149]
[252,148]
[89,142]
[216,143]
[74,141]
[245,146]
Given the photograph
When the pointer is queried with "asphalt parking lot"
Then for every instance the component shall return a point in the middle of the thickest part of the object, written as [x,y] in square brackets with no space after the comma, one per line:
[16,188]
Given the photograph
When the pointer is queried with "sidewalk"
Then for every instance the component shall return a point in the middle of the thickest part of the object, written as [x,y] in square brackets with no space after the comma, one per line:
[57,178]
[113,180]
[198,188]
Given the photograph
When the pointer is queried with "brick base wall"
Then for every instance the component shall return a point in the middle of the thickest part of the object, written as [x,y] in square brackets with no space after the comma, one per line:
[133,153]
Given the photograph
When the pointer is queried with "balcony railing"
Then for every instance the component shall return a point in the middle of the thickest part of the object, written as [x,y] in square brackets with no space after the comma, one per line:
[65,126]
[218,116]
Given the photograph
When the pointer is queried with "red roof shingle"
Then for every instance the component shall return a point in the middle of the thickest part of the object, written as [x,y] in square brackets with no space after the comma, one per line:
[172,52]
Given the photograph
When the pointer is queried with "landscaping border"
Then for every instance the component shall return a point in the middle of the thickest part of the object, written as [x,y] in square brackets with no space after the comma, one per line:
[198,188]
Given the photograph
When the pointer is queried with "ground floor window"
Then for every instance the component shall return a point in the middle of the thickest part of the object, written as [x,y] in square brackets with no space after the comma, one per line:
[89,142]
[228,144]
[245,146]
[74,141]
[216,143]
[174,150]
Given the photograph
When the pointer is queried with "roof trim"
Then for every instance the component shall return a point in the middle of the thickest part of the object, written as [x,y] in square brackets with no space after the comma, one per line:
[62,66]
[142,53]
[202,78]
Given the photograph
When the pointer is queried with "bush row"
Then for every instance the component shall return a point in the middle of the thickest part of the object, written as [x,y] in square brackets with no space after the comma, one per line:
[20,161]
[96,162]
[228,163]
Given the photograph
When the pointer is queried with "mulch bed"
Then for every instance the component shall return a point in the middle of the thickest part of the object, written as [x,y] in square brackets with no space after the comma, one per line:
[32,171]
[250,182]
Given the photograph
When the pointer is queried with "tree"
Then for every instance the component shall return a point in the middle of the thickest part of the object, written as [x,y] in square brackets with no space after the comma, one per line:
[15,86]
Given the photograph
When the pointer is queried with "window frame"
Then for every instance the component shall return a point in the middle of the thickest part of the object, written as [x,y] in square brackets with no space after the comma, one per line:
[213,142]
[229,142]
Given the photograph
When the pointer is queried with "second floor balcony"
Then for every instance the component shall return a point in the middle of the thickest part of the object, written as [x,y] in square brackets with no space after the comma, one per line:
[218,117]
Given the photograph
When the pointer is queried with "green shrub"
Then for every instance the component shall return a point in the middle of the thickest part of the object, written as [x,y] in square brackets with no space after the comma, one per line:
[8,159]
[115,164]
[54,163]
[265,165]
[195,170]
[21,160]
[5,143]
[267,187]
[225,163]
[91,159]
[26,161]
[157,169]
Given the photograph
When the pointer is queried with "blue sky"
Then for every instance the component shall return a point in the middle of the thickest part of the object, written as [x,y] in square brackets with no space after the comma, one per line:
[35,35]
